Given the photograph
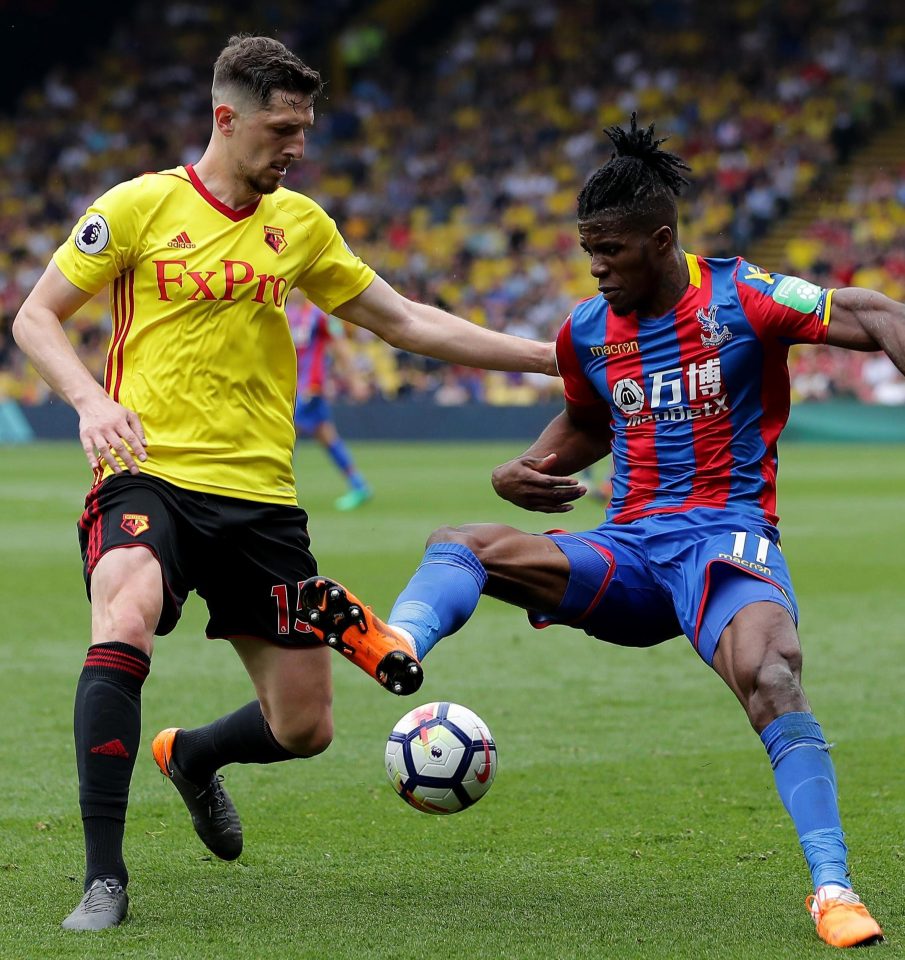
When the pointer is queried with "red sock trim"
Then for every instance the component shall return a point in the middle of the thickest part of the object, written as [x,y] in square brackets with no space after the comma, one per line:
[120,657]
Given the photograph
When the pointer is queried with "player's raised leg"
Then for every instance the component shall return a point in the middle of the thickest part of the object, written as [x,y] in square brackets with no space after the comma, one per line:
[461,563]
[344,623]
[291,719]
[759,657]
[127,598]
[458,566]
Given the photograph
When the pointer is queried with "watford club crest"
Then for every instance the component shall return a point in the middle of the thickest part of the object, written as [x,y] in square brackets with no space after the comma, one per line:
[135,523]
[275,238]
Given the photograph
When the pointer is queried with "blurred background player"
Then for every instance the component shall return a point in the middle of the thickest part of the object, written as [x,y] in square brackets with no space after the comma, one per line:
[320,340]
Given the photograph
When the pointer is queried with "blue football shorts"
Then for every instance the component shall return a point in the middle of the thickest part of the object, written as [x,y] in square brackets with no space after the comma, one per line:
[638,584]
[310,413]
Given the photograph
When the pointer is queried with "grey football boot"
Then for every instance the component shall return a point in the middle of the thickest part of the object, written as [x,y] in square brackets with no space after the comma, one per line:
[104,905]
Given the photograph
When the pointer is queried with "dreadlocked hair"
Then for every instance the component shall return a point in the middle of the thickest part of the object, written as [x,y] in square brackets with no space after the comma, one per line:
[639,178]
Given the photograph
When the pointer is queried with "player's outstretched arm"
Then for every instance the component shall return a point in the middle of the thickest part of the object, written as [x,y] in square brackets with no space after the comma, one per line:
[866,320]
[106,428]
[540,479]
[427,330]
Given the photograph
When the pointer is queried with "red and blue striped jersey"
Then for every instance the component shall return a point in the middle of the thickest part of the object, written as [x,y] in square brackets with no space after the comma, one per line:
[699,396]
[312,331]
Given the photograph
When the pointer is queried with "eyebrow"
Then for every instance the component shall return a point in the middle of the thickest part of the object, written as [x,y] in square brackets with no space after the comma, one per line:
[290,123]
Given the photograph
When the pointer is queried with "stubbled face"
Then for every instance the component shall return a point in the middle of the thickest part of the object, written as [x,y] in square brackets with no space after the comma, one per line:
[266,140]
[624,261]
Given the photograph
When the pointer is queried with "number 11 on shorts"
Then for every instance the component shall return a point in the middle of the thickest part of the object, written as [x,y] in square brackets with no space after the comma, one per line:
[738,550]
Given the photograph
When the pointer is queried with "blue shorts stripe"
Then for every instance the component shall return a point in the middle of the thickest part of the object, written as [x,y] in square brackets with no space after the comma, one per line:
[669,574]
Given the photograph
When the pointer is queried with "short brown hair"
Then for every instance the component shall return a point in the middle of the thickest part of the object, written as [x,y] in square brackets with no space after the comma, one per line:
[257,66]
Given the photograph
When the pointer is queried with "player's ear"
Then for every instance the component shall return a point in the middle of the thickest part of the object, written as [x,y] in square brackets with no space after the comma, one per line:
[224,119]
[663,238]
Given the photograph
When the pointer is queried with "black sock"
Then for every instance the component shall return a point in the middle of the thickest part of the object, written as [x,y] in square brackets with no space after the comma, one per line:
[243,736]
[104,850]
[107,728]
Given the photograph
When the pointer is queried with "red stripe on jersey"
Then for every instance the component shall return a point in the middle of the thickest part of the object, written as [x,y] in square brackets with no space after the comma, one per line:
[119,307]
[775,397]
[117,329]
[219,205]
[128,312]
[642,470]
[578,389]
[711,436]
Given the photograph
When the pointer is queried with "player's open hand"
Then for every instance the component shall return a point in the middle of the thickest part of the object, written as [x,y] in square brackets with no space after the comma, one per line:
[530,483]
[112,434]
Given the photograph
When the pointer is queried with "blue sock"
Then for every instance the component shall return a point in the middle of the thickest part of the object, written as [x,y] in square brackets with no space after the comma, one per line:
[806,783]
[340,455]
[441,596]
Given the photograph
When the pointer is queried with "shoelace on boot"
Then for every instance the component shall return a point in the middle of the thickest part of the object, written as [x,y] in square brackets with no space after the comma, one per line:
[97,900]
[213,796]
[843,896]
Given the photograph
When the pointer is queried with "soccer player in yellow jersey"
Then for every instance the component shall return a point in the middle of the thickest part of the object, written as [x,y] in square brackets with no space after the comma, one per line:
[191,437]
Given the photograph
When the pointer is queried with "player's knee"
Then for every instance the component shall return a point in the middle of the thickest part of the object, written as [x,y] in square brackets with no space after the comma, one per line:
[776,680]
[304,735]
[776,689]
[123,624]
[447,535]
[480,538]
[781,662]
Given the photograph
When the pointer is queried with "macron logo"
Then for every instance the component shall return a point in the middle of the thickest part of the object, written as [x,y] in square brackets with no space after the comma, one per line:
[112,748]
[182,242]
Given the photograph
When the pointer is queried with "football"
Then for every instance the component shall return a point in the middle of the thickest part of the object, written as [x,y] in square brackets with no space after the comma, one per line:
[441,758]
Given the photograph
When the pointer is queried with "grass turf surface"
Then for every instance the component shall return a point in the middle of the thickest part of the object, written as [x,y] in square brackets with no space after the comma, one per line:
[633,813]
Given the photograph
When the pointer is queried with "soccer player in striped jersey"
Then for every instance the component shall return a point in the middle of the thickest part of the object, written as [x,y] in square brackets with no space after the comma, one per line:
[319,341]
[191,438]
[677,367]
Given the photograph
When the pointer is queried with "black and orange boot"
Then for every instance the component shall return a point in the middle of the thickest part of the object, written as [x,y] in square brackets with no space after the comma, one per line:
[344,623]
[214,816]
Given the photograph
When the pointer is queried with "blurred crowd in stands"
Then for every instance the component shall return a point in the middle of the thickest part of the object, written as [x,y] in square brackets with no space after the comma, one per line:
[859,241]
[452,160]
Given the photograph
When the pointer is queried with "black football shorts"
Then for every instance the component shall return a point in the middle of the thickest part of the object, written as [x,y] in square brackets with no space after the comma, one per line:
[246,559]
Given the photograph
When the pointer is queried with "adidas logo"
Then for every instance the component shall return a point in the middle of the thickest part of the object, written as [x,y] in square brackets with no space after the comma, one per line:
[112,748]
[181,242]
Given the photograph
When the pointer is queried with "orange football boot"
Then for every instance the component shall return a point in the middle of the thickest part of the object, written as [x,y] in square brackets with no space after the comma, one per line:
[213,813]
[842,919]
[344,623]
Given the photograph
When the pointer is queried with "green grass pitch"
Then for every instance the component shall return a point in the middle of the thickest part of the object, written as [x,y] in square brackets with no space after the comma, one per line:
[633,813]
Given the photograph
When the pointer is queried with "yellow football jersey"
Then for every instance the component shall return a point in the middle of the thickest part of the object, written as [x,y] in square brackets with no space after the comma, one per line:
[200,347]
